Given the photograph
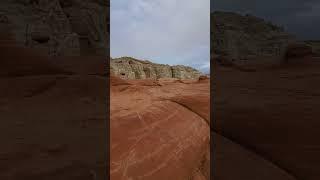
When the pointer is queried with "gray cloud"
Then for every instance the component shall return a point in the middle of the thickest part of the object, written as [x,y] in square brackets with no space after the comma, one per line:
[165,31]
[300,17]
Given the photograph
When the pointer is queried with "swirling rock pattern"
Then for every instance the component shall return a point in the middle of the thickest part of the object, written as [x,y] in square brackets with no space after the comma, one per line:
[159,131]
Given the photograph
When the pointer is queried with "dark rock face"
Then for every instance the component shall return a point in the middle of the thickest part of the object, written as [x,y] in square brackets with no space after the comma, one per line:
[266,112]
[238,37]
[59,28]
[130,68]
[298,50]
[38,146]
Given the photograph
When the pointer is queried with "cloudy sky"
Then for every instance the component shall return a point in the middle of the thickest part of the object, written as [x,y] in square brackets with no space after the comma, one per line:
[163,31]
[300,17]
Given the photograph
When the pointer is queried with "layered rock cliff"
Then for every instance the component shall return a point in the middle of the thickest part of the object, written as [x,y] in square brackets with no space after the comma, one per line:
[59,27]
[245,37]
[130,68]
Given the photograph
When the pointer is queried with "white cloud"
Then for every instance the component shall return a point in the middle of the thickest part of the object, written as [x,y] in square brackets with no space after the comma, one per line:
[164,31]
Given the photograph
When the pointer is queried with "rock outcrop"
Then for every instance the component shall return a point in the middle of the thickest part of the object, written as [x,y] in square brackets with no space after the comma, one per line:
[243,38]
[59,28]
[130,68]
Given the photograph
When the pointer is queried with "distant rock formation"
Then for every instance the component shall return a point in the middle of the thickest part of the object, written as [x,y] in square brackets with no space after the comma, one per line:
[315,45]
[237,38]
[130,68]
[59,28]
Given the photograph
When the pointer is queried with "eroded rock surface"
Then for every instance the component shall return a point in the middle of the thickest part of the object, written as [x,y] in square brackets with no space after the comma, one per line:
[52,112]
[159,132]
[130,68]
[271,113]
[246,37]
[59,28]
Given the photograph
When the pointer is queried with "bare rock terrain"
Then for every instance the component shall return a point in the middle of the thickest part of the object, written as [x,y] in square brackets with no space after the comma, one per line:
[59,28]
[269,118]
[160,129]
[130,68]
[246,39]
[265,101]
[53,111]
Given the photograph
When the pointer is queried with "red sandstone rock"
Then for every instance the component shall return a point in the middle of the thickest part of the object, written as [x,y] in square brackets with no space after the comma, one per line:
[159,132]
